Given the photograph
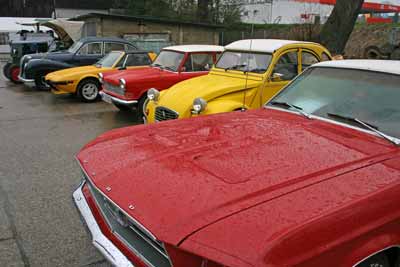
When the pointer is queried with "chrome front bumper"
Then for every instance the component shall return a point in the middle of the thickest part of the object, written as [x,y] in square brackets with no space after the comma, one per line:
[100,241]
[109,98]
[28,82]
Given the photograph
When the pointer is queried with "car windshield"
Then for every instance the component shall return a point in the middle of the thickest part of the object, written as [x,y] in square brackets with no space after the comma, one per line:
[347,96]
[169,60]
[75,47]
[244,61]
[109,60]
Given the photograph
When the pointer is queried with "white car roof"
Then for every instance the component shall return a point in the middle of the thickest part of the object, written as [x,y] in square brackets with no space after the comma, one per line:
[388,66]
[195,48]
[261,45]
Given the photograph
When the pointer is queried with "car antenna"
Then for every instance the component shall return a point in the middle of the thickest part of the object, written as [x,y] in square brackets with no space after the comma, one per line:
[247,77]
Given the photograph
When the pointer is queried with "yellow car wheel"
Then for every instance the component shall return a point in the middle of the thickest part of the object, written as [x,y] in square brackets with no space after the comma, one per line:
[88,90]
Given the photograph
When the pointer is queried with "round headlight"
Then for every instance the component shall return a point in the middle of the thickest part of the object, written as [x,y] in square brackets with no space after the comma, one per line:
[122,83]
[199,105]
[153,94]
[101,77]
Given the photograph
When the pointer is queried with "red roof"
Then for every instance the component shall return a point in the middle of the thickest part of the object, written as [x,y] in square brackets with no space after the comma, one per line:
[374,7]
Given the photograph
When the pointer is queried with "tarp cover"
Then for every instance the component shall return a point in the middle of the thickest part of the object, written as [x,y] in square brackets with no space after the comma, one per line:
[66,29]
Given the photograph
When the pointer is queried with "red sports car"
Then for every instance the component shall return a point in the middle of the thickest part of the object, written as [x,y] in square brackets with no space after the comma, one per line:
[174,64]
[311,180]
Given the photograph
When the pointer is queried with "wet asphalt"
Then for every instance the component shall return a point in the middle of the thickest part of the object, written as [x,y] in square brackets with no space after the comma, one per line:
[39,135]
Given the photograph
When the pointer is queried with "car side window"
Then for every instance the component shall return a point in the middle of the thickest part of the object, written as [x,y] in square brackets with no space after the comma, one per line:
[199,62]
[108,47]
[90,49]
[308,59]
[325,57]
[287,66]
[137,60]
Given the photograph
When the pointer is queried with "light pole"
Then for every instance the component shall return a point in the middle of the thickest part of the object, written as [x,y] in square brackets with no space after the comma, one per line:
[54,9]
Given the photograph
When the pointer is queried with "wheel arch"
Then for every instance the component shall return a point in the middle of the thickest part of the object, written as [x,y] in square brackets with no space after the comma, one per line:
[391,251]
[86,77]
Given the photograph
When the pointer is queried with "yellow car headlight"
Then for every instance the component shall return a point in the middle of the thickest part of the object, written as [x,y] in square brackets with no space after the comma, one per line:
[153,94]
[199,105]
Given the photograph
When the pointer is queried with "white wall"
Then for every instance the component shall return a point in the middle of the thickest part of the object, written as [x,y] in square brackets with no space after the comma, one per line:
[284,12]
[257,13]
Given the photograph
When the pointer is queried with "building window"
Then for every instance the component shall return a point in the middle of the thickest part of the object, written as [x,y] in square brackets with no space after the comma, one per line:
[4,38]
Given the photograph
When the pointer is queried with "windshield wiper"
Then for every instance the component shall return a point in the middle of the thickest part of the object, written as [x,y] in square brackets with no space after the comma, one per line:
[157,65]
[287,105]
[169,68]
[366,125]
[258,70]
[235,67]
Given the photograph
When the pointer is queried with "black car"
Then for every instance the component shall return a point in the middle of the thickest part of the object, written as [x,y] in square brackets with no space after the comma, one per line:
[87,51]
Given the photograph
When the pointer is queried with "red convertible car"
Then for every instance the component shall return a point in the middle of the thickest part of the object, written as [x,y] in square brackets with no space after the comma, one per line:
[311,180]
[174,64]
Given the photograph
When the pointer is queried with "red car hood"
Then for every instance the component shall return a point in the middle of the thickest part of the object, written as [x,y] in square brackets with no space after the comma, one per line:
[184,175]
[133,75]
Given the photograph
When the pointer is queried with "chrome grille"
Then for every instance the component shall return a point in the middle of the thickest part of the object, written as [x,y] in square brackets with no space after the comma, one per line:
[131,233]
[114,88]
[23,62]
[164,114]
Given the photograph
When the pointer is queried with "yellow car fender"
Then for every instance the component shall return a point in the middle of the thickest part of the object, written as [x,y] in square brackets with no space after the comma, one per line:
[221,106]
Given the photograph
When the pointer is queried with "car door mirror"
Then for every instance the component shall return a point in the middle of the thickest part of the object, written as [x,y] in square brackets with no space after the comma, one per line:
[276,77]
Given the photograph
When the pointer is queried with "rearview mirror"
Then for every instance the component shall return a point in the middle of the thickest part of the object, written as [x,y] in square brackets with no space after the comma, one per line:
[276,77]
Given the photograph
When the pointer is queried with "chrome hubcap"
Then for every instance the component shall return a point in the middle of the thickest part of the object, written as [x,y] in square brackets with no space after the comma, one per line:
[89,91]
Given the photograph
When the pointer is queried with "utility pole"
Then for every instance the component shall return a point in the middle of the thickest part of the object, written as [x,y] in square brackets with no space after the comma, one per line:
[54,9]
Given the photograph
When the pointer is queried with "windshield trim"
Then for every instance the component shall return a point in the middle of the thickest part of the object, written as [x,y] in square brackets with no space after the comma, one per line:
[122,54]
[364,130]
[247,52]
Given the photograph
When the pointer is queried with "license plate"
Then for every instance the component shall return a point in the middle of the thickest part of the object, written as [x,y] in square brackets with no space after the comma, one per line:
[107,98]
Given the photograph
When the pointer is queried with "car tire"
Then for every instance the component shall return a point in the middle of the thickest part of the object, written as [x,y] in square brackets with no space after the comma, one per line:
[6,70]
[122,108]
[88,90]
[378,260]
[395,55]
[14,73]
[372,52]
[40,82]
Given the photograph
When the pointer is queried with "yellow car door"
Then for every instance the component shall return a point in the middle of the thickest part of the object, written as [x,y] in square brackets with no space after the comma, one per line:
[284,69]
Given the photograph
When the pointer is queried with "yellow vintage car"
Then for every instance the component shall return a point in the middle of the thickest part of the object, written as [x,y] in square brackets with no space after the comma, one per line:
[84,81]
[246,75]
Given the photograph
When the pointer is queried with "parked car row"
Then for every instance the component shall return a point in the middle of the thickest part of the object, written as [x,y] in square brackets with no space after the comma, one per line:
[300,168]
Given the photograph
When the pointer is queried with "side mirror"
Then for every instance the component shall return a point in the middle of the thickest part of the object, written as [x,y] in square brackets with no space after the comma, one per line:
[276,77]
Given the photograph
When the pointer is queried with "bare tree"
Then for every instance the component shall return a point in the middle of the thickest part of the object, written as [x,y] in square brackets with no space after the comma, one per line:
[340,24]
